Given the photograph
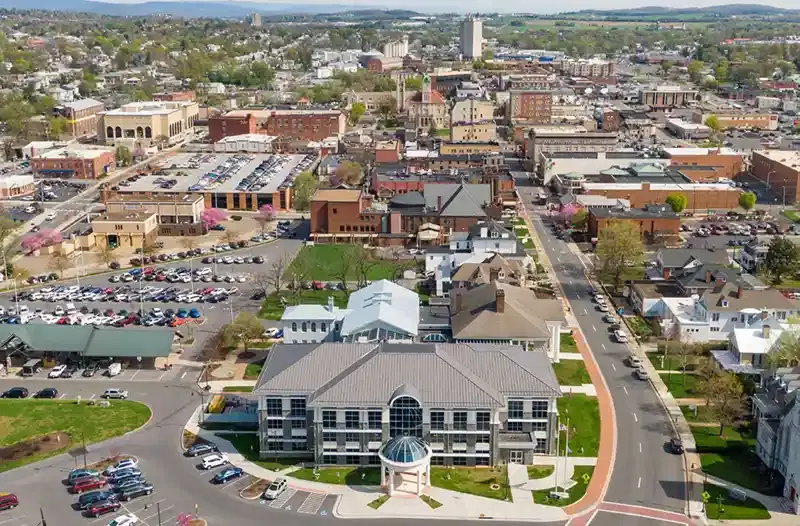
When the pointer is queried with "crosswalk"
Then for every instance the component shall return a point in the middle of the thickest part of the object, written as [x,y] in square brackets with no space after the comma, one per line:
[312,503]
[283,498]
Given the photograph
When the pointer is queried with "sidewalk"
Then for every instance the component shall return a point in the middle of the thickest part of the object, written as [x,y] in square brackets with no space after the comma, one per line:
[587,389]
[353,500]
[518,474]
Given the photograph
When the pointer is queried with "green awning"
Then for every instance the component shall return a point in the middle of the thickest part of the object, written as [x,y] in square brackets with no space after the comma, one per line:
[91,341]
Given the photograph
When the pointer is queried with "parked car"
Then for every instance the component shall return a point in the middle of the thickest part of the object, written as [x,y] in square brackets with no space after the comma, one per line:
[227,474]
[620,336]
[119,394]
[16,392]
[214,460]
[101,508]
[125,520]
[634,361]
[114,369]
[201,448]
[125,463]
[676,446]
[56,371]
[47,392]
[641,374]
[87,499]
[88,484]
[274,490]
[8,501]
[78,473]
[136,491]
[128,483]
[91,370]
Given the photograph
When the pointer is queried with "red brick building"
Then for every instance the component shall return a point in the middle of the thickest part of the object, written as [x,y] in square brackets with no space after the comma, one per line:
[81,117]
[535,107]
[220,126]
[652,221]
[387,152]
[702,164]
[70,162]
[176,96]
[309,124]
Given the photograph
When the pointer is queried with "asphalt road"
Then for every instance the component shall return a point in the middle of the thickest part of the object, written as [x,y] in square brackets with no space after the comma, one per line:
[644,473]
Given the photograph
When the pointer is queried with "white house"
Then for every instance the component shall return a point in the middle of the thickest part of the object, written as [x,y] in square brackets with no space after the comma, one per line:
[382,311]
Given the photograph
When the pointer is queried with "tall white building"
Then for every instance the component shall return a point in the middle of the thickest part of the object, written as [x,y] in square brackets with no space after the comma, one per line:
[471,37]
[397,48]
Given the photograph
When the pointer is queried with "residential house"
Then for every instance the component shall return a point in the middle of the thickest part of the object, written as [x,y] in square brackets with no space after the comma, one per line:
[495,268]
[469,404]
[670,260]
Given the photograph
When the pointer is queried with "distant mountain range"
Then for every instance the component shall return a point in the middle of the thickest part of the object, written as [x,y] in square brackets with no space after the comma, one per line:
[196,9]
[717,10]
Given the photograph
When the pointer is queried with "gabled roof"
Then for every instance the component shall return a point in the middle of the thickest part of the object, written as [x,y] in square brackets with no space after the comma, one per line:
[492,226]
[680,257]
[438,375]
[727,299]
[524,315]
[458,200]
[385,302]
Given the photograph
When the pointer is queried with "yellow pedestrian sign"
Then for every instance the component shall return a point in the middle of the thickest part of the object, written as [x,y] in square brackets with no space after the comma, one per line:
[586,478]
[706,496]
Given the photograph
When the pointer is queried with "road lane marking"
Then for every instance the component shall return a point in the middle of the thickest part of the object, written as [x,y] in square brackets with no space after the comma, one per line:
[92,397]
[614,367]
[184,374]
[625,389]
[640,447]
[594,328]
[639,485]
[232,482]
[577,296]
[60,397]
[635,417]
[12,519]
[603,345]
[160,377]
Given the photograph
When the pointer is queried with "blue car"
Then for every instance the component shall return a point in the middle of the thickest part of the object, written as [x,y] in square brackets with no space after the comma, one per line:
[227,474]
[194,313]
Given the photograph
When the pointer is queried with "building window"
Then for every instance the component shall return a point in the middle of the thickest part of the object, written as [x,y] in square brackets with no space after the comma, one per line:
[294,326]
[118,132]
[274,424]
[374,419]
[482,419]
[274,446]
[298,408]
[274,407]
[303,327]
[460,420]
[539,408]
[148,132]
[298,424]
[110,132]
[351,419]
[323,327]
[335,211]
[351,437]
[405,418]
[515,409]
[299,446]
[329,437]
[329,419]
[715,316]
[352,460]
[437,420]
[313,326]
[459,439]
[514,426]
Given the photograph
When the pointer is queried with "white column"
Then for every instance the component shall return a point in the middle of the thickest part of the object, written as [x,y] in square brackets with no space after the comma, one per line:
[391,482]
[383,476]
[419,482]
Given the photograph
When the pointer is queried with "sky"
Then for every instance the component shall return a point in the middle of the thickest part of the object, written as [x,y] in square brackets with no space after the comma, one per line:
[507,6]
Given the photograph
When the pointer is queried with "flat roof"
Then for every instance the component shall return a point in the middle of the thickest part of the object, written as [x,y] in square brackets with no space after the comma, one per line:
[156,199]
[787,157]
[125,216]
[206,172]
[148,108]
[71,153]
[677,152]
[267,112]
[337,195]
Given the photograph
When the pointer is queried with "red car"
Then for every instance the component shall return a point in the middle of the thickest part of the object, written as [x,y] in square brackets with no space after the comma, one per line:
[317,285]
[8,501]
[103,507]
[149,270]
[160,277]
[176,322]
[87,485]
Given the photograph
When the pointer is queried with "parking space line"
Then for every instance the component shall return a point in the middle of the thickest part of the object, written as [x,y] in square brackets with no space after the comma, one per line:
[60,397]
[283,498]
[134,374]
[156,513]
[312,503]
[234,481]
[12,519]
[160,377]
[92,397]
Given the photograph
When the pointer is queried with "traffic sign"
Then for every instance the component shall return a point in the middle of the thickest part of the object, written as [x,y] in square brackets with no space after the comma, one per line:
[706,496]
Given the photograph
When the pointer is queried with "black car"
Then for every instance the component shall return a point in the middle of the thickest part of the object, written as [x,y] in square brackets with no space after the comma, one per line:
[258,295]
[136,491]
[86,500]
[676,445]
[47,392]
[258,259]
[90,371]
[69,372]
[16,392]
[201,448]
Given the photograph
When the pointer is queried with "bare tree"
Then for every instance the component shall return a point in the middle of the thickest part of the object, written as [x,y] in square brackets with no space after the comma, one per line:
[274,277]
[364,262]
[685,354]
[230,236]
[297,274]
[345,268]
[59,262]
[725,398]
[189,242]
[105,253]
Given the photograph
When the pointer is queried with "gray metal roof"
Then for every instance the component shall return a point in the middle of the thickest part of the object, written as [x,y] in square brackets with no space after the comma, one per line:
[442,375]
[385,302]
[680,257]
[458,200]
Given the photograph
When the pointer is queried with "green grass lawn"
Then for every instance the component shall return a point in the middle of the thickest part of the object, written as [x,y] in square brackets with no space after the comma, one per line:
[21,420]
[528,244]
[324,262]
[540,472]
[575,493]
[731,457]
[477,481]
[571,372]
[568,343]
[732,509]
[252,370]
[792,215]
[272,308]
[237,389]
[377,503]
[247,445]
[430,501]
[349,475]
[682,386]
[584,424]
[670,362]
[702,414]
[443,132]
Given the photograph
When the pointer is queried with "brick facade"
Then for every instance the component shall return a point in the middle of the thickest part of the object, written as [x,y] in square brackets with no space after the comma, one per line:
[79,167]
[696,199]
[724,165]
[781,171]
[220,126]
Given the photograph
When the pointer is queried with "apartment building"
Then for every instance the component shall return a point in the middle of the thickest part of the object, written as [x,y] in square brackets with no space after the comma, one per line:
[535,107]
[147,123]
[481,132]
[471,37]
[592,68]
[466,404]
[471,110]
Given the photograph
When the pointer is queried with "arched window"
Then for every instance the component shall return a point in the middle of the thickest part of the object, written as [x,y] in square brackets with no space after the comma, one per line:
[110,132]
[304,327]
[139,132]
[313,326]
[117,132]
[294,326]
[148,132]
[323,327]
[405,417]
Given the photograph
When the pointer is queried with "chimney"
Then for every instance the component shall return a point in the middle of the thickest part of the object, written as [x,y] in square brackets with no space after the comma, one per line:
[765,332]
[500,301]
[708,276]
[439,203]
[330,304]
[494,273]
[740,292]
[457,302]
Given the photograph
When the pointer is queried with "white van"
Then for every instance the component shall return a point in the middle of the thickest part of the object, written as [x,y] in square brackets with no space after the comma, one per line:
[114,369]
[71,309]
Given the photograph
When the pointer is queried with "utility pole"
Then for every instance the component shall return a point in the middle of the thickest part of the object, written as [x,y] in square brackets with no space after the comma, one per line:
[158,510]
[41,512]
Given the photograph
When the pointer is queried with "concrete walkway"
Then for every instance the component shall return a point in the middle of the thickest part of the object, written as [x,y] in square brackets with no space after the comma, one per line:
[518,473]
[587,389]
[353,500]
[570,356]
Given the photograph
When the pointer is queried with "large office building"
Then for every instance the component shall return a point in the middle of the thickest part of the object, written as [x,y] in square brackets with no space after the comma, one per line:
[462,404]
[81,163]
[471,37]
[667,96]
[530,106]
[310,124]
[81,117]
[148,123]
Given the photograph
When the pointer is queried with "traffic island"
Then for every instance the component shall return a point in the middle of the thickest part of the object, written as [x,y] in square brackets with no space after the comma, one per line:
[570,493]
[254,490]
[377,503]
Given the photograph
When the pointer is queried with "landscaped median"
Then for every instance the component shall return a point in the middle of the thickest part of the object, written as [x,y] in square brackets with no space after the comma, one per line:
[582,476]
[583,414]
[37,429]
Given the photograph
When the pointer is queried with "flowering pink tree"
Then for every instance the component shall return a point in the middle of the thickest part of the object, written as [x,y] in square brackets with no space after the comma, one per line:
[567,212]
[37,240]
[264,216]
[211,217]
